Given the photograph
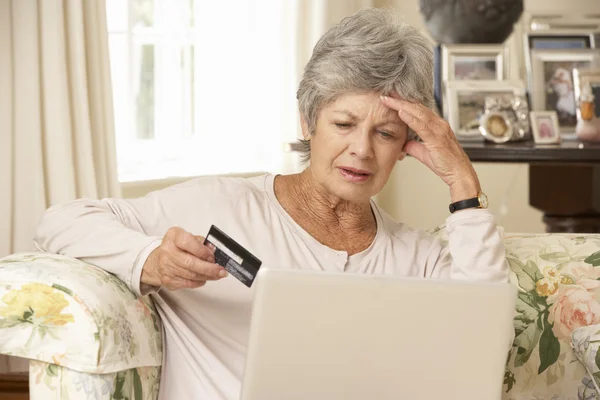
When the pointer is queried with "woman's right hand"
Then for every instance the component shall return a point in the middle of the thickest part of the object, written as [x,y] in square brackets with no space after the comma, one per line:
[182,261]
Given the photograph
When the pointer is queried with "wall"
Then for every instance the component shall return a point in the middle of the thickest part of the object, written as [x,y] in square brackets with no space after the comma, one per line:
[415,196]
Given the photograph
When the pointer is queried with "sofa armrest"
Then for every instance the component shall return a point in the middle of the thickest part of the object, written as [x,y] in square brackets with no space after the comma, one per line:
[66,312]
[52,382]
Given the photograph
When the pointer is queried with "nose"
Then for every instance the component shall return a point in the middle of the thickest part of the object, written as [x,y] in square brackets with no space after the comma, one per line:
[361,146]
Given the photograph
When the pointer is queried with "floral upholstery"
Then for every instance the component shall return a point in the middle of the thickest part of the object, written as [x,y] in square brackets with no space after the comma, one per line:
[586,343]
[65,312]
[559,292]
[114,350]
[51,382]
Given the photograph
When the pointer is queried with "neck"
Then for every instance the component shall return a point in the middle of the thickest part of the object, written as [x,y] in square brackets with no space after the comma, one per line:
[302,196]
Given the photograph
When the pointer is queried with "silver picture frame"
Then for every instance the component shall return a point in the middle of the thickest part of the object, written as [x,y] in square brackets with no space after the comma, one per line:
[556,40]
[552,85]
[475,62]
[549,22]
[464,103]
[551,133]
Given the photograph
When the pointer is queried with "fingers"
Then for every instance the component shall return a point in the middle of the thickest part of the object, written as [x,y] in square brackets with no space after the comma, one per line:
[191,244]
[418,151]
[196,268]
[419,118]
[185,262]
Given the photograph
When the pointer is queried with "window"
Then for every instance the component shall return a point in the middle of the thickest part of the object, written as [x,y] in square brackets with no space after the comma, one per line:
[201,87]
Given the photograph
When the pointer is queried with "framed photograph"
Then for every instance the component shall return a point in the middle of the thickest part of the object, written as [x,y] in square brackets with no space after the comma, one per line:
[585,76]
[560,41]
[464,103]
[552,85]
[553,22]
[474,62]
[544,125]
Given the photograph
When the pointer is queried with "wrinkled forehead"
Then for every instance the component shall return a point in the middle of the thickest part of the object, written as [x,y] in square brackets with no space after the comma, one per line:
[362,106]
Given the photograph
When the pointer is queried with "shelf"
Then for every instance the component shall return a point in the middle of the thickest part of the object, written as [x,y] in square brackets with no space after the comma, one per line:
[568,152]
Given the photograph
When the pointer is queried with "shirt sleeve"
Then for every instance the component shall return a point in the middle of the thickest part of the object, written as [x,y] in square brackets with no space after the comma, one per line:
[118,235]
[475,250]
[101,232]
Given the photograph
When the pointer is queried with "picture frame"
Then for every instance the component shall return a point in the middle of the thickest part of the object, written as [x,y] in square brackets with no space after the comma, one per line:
[545,127]
[550,22]
[464,103]
[585,76]
[552,85]
[474,62]
[555,32]
[560,40]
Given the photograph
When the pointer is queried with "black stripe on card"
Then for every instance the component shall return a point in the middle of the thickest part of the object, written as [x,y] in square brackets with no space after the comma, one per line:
[234,247]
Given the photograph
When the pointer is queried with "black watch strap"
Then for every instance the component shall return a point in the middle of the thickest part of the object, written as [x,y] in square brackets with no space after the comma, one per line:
[463,204]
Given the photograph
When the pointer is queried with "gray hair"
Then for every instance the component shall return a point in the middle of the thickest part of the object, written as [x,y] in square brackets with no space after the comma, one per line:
[369,51]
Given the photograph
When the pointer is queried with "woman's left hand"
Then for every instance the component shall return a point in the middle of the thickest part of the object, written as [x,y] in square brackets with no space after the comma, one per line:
[439,151]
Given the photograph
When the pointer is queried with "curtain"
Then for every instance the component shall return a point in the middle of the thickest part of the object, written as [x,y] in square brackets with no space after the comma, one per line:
[56,123]
[308,21]
[313,18]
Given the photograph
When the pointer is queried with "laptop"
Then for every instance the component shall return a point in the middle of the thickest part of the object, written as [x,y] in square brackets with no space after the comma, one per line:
[340,336]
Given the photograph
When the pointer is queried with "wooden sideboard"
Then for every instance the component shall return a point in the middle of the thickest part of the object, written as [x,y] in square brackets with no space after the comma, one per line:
[14,386]
[564,180]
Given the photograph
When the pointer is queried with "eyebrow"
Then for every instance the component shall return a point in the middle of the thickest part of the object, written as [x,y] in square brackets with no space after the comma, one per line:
[347,112]
[353,116]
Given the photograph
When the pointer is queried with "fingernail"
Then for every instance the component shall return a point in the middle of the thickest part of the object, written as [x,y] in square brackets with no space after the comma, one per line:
[222,273]
[384,98]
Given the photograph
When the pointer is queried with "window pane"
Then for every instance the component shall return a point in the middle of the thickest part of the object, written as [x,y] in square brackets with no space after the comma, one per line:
[119,71]
[192,11]
[144,91]
[116,15]
[143,13]
[187,66]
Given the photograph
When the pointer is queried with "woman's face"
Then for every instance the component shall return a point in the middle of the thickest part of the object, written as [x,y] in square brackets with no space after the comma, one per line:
[356,144]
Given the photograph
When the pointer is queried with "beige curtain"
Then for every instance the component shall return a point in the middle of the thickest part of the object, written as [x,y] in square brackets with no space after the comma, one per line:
[313,19]
[56,119]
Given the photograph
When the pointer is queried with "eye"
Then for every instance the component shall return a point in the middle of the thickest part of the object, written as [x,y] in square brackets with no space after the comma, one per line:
[343,125]
[386,135]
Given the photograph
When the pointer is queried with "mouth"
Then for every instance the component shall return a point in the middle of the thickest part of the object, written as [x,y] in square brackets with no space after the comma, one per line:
[354,174]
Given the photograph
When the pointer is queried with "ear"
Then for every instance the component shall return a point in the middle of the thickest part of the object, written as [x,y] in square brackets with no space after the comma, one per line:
[304,125]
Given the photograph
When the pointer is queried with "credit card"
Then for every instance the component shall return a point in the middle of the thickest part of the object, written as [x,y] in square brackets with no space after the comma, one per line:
[229,254]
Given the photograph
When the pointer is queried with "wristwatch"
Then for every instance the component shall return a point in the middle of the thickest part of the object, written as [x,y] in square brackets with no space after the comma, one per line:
[481,201]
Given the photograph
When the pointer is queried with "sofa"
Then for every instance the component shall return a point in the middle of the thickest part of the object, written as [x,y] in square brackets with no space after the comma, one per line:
[88,337]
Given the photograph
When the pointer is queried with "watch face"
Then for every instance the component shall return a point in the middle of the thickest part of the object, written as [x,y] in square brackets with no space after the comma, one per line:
[483,200]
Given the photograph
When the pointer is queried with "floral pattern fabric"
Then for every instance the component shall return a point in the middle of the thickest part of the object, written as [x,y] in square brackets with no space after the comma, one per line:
[51,382]
[44,298]
[559,293]
[586,344]
[558,277]
[69,313]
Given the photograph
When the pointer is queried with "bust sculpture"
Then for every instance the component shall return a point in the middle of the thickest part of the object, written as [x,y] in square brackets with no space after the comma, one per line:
[471,21]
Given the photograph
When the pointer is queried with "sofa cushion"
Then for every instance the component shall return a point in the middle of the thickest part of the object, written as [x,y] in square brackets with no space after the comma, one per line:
[52,382]
[557,279]
[66,312]
[586,343]
[558,293]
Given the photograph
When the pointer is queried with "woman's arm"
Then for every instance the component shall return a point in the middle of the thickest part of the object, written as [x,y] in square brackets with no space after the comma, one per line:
[118,235]
[106,233]
[475,249]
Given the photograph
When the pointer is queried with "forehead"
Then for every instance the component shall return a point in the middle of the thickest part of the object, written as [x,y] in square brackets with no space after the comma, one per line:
[363,105]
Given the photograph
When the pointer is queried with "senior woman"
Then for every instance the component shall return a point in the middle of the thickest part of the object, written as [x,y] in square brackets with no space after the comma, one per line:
[364,97]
